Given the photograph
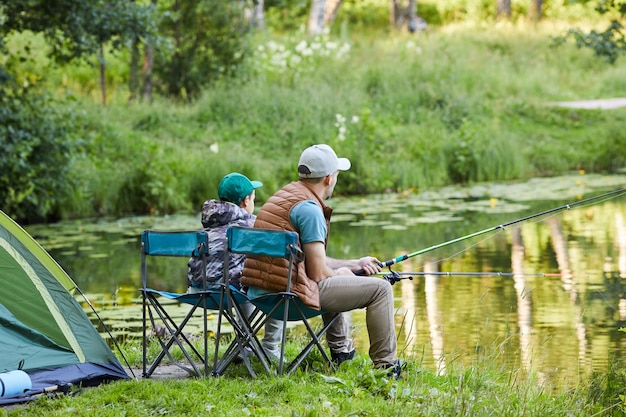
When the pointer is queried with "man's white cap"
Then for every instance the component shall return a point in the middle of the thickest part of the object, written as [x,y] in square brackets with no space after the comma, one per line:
[317,161]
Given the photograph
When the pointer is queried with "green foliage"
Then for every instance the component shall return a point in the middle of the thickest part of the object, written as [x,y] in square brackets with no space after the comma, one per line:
[355,389]
[608,44]
[200,43]
[38,137]
[286,15]
[411,112]
[430,13]
[463,156]
[76,28]
[361,14]
[37,152]
[609,389]
[150,186]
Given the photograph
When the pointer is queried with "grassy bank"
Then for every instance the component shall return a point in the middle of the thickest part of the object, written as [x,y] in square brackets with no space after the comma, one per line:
[356,389]
[412,112]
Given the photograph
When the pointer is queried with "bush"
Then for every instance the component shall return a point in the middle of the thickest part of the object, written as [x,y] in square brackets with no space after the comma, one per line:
[37,150]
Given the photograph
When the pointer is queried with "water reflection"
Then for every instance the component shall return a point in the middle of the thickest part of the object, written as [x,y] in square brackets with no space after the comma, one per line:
[435,320]
[524,301]
[562,326]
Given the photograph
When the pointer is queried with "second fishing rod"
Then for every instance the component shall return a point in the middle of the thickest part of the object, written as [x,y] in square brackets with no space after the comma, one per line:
[503,226]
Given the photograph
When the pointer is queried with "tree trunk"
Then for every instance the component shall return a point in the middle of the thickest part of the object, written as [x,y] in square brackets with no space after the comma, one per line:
[411,14]
[103,91]
[399,14]
[133,71]
[504,9]
[316,17]
[174,87]
[534,12]
[148,65]
[395,13]
[332,7]
[257,20]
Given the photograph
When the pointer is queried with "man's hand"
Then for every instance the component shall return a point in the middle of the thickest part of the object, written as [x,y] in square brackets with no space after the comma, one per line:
[369,265]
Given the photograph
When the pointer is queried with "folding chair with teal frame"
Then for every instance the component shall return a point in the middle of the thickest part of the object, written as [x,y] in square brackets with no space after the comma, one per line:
[178,244]
[285,305]
[217,298]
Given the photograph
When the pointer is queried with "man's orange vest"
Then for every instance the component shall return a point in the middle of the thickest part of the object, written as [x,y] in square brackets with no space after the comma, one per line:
[271,273]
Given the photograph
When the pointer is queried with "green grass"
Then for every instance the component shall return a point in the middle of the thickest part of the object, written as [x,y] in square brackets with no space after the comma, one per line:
[458,104]
[356,389]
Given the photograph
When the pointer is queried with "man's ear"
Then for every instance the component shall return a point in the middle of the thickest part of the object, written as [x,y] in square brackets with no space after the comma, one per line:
[328,179]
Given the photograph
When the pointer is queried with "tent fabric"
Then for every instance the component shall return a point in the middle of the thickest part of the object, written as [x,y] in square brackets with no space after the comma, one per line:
[43,329]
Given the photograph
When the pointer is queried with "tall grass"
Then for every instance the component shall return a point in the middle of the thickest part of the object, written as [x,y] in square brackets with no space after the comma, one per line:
[460,104]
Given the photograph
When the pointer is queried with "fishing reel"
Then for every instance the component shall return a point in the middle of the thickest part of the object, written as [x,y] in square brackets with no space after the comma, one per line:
[394,276]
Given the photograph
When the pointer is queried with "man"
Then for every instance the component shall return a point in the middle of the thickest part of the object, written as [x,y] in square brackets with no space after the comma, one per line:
[323,282]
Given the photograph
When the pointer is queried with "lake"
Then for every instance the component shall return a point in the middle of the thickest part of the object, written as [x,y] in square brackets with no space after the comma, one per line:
[543,295]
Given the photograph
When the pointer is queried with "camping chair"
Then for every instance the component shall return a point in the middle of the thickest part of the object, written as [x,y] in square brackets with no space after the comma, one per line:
[183,244]
[285,305]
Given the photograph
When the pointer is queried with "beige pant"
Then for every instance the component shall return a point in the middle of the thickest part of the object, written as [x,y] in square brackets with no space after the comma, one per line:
[344,293]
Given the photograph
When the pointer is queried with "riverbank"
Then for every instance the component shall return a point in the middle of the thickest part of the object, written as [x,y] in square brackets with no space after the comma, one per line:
[411,112]
[355,389]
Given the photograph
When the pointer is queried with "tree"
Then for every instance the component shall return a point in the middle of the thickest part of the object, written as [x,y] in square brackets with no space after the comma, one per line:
[608,44]
[332,7]
[257,15]
[75,28]
[317,13]
[401,13]
[535,10]
[200,41]
[35,135]
[503,9]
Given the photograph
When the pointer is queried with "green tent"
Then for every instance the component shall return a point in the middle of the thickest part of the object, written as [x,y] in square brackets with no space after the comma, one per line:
[43,329]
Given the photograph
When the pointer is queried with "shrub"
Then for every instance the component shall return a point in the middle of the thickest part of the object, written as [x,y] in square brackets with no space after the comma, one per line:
[37,150]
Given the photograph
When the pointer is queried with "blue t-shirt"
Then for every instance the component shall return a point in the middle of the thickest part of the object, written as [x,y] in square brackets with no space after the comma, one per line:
[308,220]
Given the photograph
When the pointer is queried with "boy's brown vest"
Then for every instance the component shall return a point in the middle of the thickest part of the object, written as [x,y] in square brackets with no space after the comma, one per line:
[271,273]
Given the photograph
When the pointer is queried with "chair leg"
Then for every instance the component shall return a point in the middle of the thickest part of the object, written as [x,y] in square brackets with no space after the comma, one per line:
[175,334]
[283,337]
[315,341]
[144,339]
[245,337]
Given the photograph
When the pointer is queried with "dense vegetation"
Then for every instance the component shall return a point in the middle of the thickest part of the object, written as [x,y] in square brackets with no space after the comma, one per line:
[445,107]
[460,102]
[467,100]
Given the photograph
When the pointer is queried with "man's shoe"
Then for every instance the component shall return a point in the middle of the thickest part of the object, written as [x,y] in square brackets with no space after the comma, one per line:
[339,358]
[395,369]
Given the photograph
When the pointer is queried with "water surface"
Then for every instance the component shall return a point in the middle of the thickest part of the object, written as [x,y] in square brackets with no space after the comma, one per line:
[555,308]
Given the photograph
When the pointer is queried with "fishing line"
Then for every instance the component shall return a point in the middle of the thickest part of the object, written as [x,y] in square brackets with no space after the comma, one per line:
[454,255]
[483,274]
[604,197]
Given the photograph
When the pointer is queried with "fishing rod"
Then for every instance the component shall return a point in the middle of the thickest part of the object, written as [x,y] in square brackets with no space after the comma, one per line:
[394,276]
[491,229]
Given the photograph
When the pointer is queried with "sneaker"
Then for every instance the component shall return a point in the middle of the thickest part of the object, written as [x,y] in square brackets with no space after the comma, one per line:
[339,358]
[395,369]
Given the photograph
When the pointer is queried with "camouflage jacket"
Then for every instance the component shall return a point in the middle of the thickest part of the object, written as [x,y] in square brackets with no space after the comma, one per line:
[217,216]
